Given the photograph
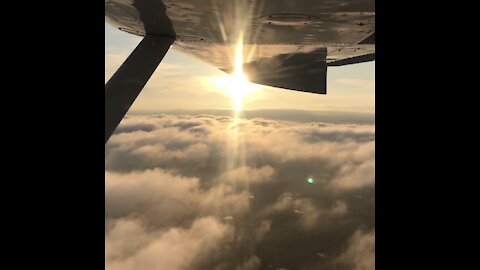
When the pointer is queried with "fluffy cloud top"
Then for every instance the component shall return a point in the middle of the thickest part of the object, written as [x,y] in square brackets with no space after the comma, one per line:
[360,254]
[207,192]
[132,246]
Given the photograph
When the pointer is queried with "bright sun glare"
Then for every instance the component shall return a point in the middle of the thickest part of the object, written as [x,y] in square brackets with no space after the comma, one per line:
[236,85]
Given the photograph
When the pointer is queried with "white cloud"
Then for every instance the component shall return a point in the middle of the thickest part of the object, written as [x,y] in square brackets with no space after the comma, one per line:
[175,248]
[252,263]
[360,254]
[354,176]
[161,199]
[168,184]
[248,175]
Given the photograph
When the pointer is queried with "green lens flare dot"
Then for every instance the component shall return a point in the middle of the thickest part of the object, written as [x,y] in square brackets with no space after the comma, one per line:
[310,180]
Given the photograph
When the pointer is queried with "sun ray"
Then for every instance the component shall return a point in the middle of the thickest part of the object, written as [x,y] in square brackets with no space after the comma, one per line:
[237,85]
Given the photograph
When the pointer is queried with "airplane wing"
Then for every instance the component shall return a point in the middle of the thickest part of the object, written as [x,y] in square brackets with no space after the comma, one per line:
[353,60]
[286,44]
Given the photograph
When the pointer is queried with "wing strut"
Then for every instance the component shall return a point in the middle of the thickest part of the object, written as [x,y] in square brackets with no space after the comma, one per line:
[125,85]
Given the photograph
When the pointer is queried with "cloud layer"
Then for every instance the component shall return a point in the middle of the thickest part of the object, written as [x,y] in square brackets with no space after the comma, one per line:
[208,192]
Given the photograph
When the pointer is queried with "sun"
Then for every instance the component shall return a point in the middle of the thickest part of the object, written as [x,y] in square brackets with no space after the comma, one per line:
[237,85]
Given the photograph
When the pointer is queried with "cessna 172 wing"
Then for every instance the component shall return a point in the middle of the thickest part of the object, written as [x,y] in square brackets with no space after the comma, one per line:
[286,43]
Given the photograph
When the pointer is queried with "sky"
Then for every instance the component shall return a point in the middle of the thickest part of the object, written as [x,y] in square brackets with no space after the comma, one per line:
[290,185]
[183,82]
